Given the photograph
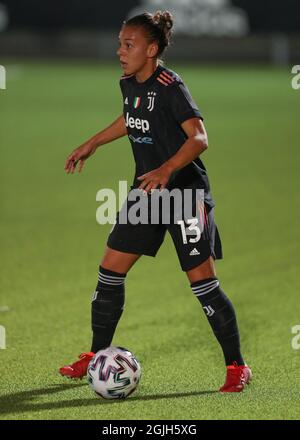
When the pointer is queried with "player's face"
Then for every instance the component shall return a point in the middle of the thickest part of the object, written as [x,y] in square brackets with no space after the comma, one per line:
[134,51]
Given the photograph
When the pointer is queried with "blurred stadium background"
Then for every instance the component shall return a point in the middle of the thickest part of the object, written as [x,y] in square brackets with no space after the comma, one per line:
[61,87]
[206,30]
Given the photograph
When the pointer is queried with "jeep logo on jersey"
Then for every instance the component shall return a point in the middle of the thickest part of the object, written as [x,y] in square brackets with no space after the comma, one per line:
[140,124]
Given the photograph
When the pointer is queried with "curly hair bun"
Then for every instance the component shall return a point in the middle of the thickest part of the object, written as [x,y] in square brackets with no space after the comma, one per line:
[164,20]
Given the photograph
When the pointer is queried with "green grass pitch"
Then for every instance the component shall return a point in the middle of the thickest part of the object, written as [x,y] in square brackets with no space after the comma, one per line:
[51,246]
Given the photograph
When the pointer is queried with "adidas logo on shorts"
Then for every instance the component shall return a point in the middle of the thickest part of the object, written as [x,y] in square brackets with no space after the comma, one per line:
[194,252]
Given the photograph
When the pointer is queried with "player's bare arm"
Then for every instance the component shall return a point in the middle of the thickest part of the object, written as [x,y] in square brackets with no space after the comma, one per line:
[195,144]
[114,131]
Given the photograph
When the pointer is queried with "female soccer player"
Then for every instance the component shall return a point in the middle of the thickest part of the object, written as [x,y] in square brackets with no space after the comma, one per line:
[167,135]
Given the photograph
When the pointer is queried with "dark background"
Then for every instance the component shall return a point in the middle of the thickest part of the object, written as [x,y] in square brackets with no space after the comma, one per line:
[47,15]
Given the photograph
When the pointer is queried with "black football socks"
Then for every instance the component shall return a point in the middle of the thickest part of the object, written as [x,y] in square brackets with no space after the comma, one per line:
[221,316]
[107,307]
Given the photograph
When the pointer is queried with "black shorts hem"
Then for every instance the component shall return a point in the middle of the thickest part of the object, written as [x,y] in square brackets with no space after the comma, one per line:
[187,267]
[132,250]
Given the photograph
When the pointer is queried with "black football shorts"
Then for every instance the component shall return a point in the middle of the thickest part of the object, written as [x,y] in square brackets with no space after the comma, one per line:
[195,238]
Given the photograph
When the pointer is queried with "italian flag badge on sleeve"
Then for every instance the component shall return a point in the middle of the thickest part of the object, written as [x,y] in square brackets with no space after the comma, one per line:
[137,101]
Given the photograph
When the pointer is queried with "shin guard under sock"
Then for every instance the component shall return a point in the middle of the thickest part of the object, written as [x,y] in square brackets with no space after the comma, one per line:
[221,316]
[107,307]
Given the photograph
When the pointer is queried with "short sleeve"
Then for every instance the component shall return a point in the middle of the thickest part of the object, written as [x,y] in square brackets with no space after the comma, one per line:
[180,103]
[122,86]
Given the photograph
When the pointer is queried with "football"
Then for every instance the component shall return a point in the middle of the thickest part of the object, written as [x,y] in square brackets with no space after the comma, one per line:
[114,373]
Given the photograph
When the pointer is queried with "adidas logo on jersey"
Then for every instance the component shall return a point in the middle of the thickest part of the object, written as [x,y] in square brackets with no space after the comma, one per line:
[126,100]
[194,252]
[140,124]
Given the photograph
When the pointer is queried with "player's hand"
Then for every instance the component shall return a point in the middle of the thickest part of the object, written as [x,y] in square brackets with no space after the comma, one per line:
[158,177]
[79,155]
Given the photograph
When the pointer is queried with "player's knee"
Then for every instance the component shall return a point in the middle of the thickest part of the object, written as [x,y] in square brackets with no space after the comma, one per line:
[204,271]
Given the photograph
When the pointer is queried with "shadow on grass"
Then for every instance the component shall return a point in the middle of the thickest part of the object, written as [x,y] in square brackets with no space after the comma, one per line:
[24,401]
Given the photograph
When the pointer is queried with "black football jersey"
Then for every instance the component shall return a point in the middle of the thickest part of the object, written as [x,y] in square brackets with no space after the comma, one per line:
[154,111]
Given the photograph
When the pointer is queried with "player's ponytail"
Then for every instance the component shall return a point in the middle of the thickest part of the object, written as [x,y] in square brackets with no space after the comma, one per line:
[158,27]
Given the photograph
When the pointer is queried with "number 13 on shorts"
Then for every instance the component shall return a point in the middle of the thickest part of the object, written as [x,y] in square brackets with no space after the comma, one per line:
[192,229]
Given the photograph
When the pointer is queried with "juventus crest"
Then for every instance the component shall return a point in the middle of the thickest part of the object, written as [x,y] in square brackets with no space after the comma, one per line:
[151,97]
